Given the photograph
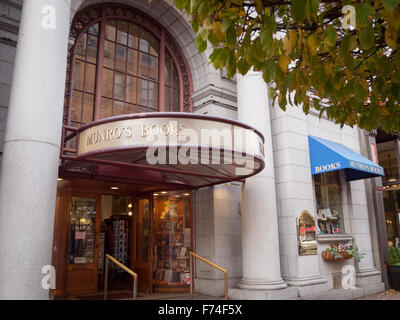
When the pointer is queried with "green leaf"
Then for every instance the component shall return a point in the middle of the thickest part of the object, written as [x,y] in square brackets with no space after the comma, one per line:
[231,36]
[390,4]
[226,23]
[314,5]
[243,66]
[367,37]
[258,52]
[180,4]
[331,35]
[363,11]
[267,41]
[201,44]
[298,9]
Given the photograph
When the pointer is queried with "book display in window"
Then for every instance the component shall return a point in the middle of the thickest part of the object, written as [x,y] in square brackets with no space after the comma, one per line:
[172,245]
[329,203]
[120,225]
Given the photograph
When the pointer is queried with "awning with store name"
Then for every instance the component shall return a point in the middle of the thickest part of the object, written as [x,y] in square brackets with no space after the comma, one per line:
[326,156]
[180,150]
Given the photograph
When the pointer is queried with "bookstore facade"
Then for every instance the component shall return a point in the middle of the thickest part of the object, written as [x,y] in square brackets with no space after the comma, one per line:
[161,155]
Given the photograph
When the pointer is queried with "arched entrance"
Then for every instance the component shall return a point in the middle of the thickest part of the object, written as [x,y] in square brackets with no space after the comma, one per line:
[128,92]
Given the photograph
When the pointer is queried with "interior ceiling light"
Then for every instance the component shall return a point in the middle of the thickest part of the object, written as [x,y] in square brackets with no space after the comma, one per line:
[114,188]
[164,192]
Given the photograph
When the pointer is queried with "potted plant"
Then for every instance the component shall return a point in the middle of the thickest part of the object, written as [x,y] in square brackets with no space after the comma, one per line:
[393,267]
[340,252]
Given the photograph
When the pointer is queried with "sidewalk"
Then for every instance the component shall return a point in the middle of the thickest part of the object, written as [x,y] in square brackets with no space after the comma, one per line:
[387,295]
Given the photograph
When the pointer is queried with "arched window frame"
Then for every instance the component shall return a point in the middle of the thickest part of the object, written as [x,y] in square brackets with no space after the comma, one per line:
[99,14]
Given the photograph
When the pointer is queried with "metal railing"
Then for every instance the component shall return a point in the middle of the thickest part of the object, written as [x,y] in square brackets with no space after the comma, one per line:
[119,264]
[194,255]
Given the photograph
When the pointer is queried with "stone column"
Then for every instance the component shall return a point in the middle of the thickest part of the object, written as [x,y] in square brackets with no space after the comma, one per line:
[31,150]
[260,240]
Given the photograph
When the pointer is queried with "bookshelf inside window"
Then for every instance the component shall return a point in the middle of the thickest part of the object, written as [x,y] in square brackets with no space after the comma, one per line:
[172,243]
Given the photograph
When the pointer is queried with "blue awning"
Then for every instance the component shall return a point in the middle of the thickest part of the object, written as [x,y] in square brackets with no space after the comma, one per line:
[326,156]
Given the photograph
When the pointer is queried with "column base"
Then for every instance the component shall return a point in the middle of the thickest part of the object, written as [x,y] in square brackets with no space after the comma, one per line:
[308,286]
[256,284]
[287,293]
[370,281]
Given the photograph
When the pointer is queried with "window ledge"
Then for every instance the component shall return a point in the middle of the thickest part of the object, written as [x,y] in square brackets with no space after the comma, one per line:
[329,238]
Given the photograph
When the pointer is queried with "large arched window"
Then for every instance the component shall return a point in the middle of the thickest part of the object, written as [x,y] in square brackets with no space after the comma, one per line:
[123,62]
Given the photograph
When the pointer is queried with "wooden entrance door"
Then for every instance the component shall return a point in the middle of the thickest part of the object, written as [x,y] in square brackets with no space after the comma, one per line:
[83,239]
[142,243]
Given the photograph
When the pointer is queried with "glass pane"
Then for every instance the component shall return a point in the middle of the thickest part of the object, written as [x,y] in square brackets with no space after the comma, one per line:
[388,160]
[175,100]
[154,46]
[168,69]
[79,69]
[132,61]
[133,36]
[329,203]
[119,86]
[167,105]
[122,32]
[88,106]
[109,49]
[94,29]
[107,82]
[82,230]
[153,95]
[76,106]
[110,30]
[143,43]
[119,108]
[90,77]
[131,89]
[143,90]
[148,43]
[148,66]
[130,108]
[173,239]
[120,54]
[175,79]
[80,52]
[143,231]
[106,108]
[92,49]
[153,68]
[141,109]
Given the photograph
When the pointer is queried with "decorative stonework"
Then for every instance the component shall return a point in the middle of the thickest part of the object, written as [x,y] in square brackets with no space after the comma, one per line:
[94,14]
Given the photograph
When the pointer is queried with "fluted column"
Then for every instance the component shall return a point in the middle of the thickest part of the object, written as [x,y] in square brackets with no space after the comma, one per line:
[31,150]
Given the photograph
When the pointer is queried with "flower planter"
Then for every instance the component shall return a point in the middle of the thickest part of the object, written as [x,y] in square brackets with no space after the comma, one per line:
[394,277]
[330,258]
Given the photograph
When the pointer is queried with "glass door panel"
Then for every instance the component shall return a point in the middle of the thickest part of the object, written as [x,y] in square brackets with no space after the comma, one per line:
[82,230]
[82,268]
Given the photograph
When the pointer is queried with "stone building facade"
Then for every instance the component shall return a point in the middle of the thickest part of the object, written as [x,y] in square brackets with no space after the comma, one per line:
[250,228]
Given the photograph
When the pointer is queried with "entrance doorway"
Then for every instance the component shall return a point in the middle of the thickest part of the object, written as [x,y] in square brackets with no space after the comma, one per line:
[149,231]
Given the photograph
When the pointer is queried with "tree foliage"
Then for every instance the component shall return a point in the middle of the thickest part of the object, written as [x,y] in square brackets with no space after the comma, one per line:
[302,47]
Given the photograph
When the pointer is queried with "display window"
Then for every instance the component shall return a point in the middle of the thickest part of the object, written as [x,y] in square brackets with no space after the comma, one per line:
[173,240]
[391,201]
[82,230]
[329,203]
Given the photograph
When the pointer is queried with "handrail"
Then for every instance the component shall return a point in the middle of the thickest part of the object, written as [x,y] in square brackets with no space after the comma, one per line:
[119,264]
[192,254]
